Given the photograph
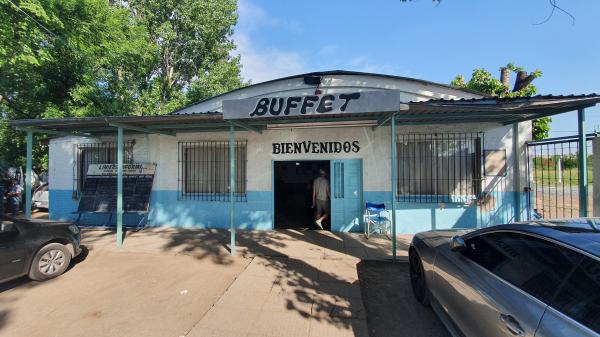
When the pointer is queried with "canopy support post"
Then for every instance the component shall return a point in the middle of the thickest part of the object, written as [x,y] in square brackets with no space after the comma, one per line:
[119,187]
[516,172]
[583,183]
[28,170]
[232,186]
[394,184]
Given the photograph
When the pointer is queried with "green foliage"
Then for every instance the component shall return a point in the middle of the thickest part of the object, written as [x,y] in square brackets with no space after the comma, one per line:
[483,81]
[193,60]
[569,161]
[100,58]
[541,128]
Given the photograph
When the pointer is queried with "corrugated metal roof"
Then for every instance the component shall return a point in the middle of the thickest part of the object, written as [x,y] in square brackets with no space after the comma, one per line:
[495,110]
[509,99]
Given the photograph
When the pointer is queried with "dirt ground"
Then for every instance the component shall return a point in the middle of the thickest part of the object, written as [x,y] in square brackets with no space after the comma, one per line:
[392,310]
[109,293]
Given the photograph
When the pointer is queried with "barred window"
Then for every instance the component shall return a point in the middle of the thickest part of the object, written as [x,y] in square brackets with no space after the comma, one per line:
[439,167]
[204,170]
[96,153]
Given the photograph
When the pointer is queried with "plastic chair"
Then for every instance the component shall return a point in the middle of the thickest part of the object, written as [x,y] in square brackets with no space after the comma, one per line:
[377,220]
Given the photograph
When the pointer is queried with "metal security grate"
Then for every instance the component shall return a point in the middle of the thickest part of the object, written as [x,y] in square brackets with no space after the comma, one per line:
[553,168]
[439,167]
[96,153]
[204,171]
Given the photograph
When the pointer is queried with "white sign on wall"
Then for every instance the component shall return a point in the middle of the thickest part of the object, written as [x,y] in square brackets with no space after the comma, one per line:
[326,104]
[128,169]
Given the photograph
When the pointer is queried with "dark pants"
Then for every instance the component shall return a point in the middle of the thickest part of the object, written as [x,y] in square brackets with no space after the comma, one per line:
[12,204]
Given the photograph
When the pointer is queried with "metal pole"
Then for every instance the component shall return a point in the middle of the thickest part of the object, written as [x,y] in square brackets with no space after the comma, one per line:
[232,186]
[394,184]
[583,186]
[119,187]
[516,172]
[28,170]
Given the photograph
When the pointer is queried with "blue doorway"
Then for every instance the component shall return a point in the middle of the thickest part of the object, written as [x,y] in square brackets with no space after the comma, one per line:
[346,195]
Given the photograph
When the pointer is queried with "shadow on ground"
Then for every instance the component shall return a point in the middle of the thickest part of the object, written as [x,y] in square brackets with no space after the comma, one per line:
[315,269]
[392,310]
[25,282]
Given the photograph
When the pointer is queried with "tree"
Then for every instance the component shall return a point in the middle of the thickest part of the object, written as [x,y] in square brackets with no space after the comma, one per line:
[483,81]
[61,58]
[193,51]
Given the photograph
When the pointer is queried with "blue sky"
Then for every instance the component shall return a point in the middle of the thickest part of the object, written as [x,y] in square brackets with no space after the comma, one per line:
[423,40]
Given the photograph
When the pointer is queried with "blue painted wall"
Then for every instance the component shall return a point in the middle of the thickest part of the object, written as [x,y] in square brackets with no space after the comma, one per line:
[413,217]
[257,212]
[166,210]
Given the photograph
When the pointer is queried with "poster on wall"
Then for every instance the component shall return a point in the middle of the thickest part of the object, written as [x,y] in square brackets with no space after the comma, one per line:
[99,188]
[128,169]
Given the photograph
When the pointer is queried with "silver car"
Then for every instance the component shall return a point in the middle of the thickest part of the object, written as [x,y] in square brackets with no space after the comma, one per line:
[40,197]
[525,279]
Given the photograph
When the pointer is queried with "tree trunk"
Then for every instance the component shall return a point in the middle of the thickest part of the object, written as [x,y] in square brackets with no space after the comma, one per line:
[505,77]
[523,80]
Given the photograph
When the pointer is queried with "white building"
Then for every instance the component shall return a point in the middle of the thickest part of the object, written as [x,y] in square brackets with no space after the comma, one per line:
[460,157]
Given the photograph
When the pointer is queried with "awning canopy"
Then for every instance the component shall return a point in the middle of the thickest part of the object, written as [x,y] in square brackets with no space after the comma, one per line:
[482,110]
[499,110]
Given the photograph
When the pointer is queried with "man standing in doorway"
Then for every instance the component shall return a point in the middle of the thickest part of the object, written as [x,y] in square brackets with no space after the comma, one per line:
[321,198]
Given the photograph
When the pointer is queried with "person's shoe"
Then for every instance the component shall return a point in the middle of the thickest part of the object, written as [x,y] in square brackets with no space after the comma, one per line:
[318,222]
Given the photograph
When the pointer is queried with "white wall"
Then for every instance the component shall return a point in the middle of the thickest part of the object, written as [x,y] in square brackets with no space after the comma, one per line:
[374,150]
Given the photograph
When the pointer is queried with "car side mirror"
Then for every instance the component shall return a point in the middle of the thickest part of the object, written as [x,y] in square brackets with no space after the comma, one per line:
[457,244]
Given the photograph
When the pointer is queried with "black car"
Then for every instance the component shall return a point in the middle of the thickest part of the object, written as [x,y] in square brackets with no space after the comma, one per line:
[40,249]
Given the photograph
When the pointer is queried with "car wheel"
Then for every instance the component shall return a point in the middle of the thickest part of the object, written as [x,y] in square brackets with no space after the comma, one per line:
[50,261]
[417,278]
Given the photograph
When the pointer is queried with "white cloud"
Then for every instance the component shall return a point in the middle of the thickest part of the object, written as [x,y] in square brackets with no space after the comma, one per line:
[261,64]
[265,64]
[252,16]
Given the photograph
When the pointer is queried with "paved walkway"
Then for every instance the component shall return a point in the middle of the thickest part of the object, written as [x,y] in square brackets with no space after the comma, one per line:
[298,283]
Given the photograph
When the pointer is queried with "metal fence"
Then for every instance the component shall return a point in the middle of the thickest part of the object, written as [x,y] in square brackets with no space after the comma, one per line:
[553,171]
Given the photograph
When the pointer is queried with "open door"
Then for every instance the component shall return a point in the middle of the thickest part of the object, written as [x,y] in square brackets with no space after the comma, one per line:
[346,195]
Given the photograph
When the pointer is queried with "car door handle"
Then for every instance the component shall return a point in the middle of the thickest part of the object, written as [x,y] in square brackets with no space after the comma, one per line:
[512,325]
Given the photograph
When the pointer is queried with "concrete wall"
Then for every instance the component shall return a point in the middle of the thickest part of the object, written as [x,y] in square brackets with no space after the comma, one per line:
[257,211]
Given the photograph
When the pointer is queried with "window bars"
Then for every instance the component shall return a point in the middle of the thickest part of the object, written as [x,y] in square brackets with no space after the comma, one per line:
[96,153]
[203,172]
[434,168]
